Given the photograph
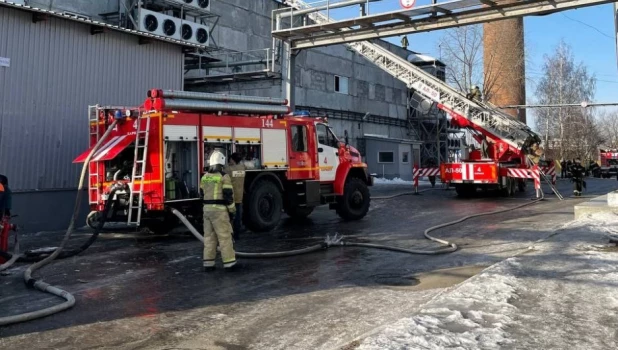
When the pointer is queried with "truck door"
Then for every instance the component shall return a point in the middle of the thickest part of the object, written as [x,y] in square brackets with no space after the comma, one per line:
[302,162]
[328,157]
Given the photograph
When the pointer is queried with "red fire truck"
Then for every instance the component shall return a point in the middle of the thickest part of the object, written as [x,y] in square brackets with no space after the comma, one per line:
[609,164]
[155,156]
[502,162]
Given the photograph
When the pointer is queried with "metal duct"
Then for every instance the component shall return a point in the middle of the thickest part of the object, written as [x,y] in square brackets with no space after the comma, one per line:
[168,94]
[214,106]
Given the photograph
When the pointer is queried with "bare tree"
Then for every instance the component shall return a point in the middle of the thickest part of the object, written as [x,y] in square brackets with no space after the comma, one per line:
[608,125]
[467,63]
[571,130]
[461,48]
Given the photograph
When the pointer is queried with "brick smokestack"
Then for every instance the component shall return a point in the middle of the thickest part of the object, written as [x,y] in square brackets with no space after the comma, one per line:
[504,64]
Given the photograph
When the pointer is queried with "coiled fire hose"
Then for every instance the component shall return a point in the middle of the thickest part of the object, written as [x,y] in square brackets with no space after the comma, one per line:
[46,287]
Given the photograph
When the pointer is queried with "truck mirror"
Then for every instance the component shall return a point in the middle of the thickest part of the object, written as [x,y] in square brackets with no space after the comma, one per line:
[345,133]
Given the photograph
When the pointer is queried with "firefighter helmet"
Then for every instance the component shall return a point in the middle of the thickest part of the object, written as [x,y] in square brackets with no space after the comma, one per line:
[216,158]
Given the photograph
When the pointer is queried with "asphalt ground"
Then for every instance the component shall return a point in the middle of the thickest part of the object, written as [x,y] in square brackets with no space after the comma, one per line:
[139,291]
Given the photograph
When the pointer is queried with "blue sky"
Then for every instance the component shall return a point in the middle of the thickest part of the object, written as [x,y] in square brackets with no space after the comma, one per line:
[589,31]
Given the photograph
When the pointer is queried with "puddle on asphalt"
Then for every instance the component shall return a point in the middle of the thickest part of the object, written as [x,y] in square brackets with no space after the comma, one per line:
[443,278]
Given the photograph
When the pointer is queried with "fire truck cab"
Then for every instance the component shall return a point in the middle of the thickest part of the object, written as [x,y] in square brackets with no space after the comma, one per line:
[609,163]
[155,157]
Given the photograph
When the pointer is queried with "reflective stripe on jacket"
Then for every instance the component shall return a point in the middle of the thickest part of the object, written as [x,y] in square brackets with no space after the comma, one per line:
[218,192]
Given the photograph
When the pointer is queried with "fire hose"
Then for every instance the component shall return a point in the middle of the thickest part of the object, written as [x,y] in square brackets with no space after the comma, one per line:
[339,242]
[70,299]
[46,287]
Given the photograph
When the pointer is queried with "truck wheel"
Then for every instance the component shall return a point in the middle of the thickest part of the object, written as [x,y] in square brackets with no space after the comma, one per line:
[354,204]
[264,207]
[299,212]
[92,219]
[508,190]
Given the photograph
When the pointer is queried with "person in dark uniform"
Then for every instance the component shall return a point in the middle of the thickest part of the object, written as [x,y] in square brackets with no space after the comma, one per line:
[563,169]
[577,173]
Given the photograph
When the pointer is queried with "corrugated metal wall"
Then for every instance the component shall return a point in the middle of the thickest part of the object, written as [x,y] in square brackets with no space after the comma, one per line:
[56,70]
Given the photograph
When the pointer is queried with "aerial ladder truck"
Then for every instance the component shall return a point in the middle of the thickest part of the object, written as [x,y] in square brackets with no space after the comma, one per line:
[509,148]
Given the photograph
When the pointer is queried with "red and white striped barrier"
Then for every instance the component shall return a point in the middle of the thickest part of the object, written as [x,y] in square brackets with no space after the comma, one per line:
[533,174]
[550,171]
[536,175]
[423,172]
[519,173]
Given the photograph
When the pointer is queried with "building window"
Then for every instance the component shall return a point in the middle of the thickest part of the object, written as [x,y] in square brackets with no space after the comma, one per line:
[405,157]
[299,138]
[341,84]
[386,157]
[440,74]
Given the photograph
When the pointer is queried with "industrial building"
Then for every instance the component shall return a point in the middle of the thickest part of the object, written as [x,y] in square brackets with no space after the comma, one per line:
[58,57]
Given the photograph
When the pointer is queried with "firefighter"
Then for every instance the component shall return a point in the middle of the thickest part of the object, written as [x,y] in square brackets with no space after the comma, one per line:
[5,196]
[577,173]
[563,169]
[236,170]
[404,42]
[219,211]
[431,163]
[475,93]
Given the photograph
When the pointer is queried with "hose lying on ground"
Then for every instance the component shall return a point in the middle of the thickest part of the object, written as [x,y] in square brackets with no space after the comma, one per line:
[46,287]
[450,247]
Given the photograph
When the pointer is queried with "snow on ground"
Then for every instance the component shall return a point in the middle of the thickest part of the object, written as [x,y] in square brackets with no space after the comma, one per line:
[471,316]
[560,295]
[395,181]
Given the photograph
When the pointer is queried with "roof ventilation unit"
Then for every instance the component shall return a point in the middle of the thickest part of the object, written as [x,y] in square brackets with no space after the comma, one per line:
[159,24]
[195,33]
[203,5]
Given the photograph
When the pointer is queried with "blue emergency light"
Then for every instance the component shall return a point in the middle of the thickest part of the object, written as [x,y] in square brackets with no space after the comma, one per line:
[301,113]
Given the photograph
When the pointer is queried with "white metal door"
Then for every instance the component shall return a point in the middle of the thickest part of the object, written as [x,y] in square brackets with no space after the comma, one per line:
[328,156]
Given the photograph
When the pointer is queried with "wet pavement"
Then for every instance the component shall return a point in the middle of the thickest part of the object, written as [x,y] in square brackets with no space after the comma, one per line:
[135,291]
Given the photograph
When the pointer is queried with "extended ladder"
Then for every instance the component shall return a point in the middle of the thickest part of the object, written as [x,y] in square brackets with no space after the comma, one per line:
[136,198]
[484,115]
[93,171]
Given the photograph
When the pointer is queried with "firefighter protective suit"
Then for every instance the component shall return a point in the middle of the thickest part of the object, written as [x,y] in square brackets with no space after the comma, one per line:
[218,206]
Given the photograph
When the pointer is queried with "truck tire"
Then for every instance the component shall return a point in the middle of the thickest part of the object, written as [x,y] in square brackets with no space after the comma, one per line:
[354,204]
[298,213]
[264,207]
[92,219]
[509,189]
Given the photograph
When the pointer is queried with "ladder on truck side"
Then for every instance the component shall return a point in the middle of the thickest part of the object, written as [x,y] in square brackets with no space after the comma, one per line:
[136,198]
[93,175]
[484,115]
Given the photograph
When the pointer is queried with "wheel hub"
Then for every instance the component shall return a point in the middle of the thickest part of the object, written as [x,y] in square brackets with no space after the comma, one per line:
[266,206]
[356,199]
